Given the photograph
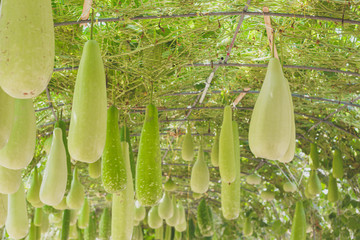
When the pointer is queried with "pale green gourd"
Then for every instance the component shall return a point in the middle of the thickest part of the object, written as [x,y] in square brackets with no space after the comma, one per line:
[6,117]
[3,209]
[271,125]
[338,170]
[159,233]
[166,208]
[247,228]
[27,47]
[123,204]
[314,156]
[38,217]
[95,169]
[17,221]
[154,220]
[10,180]
[227,164]
[170,185]
[73,233]
[33,194]
[182,215]
[140,211]
[333,192]
[44,223]
[76,195]
[314,184]
[105,224]
[267,195]
[253,179]
[73,216]
[53,186]
[298,228]
[215,151]
[62,205]
[289,187]
[187,150]
[200,178]
[83,219]
[174,219]
[47,144]
[181,227]
[32,232]
[56,217]
[22,136]
[87,129]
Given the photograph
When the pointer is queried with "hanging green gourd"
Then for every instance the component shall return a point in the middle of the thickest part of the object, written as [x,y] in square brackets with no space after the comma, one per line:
[170,185]
[226,148]
[182,214]
[247,228]
[84,214]
[154,220]
[76,195]
[140,211]
[90,231]
[33,194]
[174,219]
[73,232]
[166,208]
[181,227]
[199,181]
[45,223]
[22,136]
[62,205]
[205,220]
[95,169]
[87,131]
[215,151]
[253,179]
[3,209]
[333,192]
[168,232]
[6,117]
[187,150]
[47,144]
[65,225]
[10,180]
[148,165]
[32,231]
[73,216]
[105,225]
[53,186]
[314,156]
[272,127]
[267,195]
[38,217]
[289,187]
[125,137]
[159,233]
[338,171]
[298,228]
[314,184]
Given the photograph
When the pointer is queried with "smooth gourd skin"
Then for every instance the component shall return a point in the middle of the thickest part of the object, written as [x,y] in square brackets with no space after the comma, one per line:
[170,185]
[27,47]
[6,117]
[84,214]
[62,205]
[338,171]
[32,231]
[314,184]
[10,180]
[44,223]
[87,131]
[298,228]
[17,221]
[253,179]
[166,209]
[3,209]
[113,168]
[289,187]
[215,152]
[199,181]
[267,195]
[148,165]
[182,214]
[181,227]
[154,220]
[314,156]
[53,186]
[90,231]
[248,228]
[33,194]
[123,204]
[272,121]
[125,137]
[95,169]
[22,136]
[187,150]
[230,192]
[174,219]
[333,193]
[140,212]
[105,224]
[73,216]
[227,164]
[38,217]
[76,195]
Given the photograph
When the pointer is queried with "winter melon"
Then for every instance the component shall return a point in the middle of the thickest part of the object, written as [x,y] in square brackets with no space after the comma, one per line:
[27,47]
[333,193]
[3,209]
[53,186]
[22,136]
[84,214]
[154,220]
[105,224]
[170,185]
[187,150]
[95,169]
[247,228]
[166,208]
[253,179]
[76,195]
[338,171]
[272,121]
[314,156]
[215,151]
[33,194]
[199,181]
[289,187]
[174,219]
[10,180]
[148,165]
[298,228]
[87,129]
[140,211]
[6,117]
[314,184]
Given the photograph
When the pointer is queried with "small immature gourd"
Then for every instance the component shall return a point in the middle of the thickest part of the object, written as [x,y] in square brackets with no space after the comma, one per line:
[248,228]
[215,151]
[22,136]
[140,211]
[3,209]
[6,117]
[170,185]
[267,195]
[154,220]
[105,225]
[289,187]
[32,231]
[95,169]
[314,156]
[174,219]
[182,214]
[298,228]
[314,184]
[33,194]
[333,193]
[187,150]
[253,179]
[76,195]
[84,214]
[53,186]
[87,129]
[10,180]
[166,208]
[200,178]
[338,171]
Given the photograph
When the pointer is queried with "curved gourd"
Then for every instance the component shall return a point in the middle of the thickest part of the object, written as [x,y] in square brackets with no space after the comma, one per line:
[154,220]
[17,221]
[174,219]
[3,209]
[271,125]
[123,204]
[289,187]
[10,180]
[199,181]
[187,150]
[314,156]
[6,117]
[105,225]
[113,170]
[62,205]
[166,208]
[83,219]
[38,217]
[215,151]
[33,194]
[253,179]
[298,228]
[170,185]
[248,228]
[227,164]
[125,137]
[333,193]
[338,171]
[27,47]
[76,195]
[314,184]
[22,136]
[267,195]
[95,169]
[230,192]
[140,212]
[87,130]
[148,165]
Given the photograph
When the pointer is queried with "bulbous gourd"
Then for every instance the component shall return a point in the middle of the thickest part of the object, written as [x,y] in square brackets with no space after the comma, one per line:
[22,136]
[338,171]
[123,204]
[6,117]
[272,122]
[53,186]
[95,169]
[87,129]
[47,144]
[204,217]
[174,219]
[187,150]
[289,187]
[113,171]
[314,156]
[10,180]
[215,151]
[76,195]
[314,184]
[33,194]
[44,223]
[90,231]
[199,181]
[148,165]
[62,205]
[38,217]
[230,192]
[125,137]
[27,47]
[181,227]
[140,212]
[17,221]
[333,193]
[166,208]
[105,225]
[253,179]
[3,209]
[154,220]
[227,164]
[307,194]
[170,185]
[84,214]
[298,228]
[267,195]
[248,228]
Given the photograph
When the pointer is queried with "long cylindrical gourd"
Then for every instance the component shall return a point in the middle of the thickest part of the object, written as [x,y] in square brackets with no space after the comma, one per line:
[333,193]
[45,223]
[76,195]
[87,129]
[247,228]
[17,221]
[159,233]
[38,217]
[154,220]
[187,150]
[140,211]
[226,148]
[90,231]
[65,227]
[33,194]
[204,219]
[199,181]
[3,209]
[22,136]
[84,214]
[53,186]
[6,117]
[27,47]
[148,165]
[166,208]
[271,129]
[105,225]
[32,231]
[174,219]
[215,151]
[168,232]
[10,180]
[73,232]
[113,169]
[314,156]
[298,228]
[230,192]
[123,204]
[95,169]
[338,171]
[182,214]
[314,184]
[125,137]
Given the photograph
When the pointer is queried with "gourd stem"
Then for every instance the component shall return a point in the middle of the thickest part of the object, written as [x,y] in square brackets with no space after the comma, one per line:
[151,91]
[273,45]
[92,25]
